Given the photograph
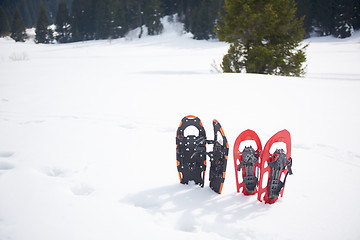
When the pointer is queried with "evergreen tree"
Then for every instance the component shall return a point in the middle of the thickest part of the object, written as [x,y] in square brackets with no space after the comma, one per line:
[200,17]
[18,28]
[120,26]
[265,36]
[305,9]
[62,23]
[135,11]
[27,12]
[83,20]
[4,23]
[43,33]
[152,15]
[324,19]
[198,20]
[356,15]
[343,18]
[103,18]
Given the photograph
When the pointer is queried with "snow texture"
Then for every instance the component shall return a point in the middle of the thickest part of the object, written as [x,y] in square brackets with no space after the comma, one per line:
[87,143]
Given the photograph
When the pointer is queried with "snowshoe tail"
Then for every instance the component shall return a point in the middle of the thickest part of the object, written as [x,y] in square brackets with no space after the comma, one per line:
[191,152]
[274,168]
[218,158]
[247,161]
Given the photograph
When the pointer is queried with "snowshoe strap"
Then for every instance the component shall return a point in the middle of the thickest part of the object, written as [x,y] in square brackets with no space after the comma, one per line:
[288,165]
[249,158]
[279,163]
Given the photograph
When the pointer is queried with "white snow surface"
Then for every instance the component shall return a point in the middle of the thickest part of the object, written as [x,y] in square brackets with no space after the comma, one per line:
[87,140]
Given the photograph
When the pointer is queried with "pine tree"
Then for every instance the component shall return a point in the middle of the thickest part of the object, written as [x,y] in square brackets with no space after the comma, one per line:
[62,23]
[4,23]
[200,23]
[356,15]
[343,19]
[152,15]
[18,28]
[83,20]
[135,15]
[324,19]
[120,26]
[26,8]
[305,9]
[200,17]
[103,18]
[43,33]
[265,37]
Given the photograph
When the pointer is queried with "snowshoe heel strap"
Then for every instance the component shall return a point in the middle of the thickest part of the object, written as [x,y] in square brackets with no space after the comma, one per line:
[288,165]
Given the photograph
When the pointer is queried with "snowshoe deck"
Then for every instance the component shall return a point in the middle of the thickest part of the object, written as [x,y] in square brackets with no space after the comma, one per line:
[247,161]
[191,152]
[276,166]
[218,158]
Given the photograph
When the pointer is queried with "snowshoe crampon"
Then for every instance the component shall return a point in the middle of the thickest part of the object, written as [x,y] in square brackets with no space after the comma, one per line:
[218,158]
[246,160]
[191,151]
[274,168]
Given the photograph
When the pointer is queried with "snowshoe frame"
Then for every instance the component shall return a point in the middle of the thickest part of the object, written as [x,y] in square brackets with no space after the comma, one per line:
[277,165]
[247,161]
[191,152]
[218,158]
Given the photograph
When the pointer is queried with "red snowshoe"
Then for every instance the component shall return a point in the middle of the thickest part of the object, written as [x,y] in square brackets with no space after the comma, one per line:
[274,168]
[247,161]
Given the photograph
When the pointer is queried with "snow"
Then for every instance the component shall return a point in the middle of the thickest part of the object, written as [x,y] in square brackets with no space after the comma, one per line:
[87,143]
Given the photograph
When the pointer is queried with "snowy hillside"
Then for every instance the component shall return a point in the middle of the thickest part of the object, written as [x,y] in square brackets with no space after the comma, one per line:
[87,141]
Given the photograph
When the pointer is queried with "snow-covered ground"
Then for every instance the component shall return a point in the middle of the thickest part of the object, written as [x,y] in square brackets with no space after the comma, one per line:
[87,140]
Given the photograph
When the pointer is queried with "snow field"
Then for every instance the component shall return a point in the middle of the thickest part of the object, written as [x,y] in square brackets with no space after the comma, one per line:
[87,140]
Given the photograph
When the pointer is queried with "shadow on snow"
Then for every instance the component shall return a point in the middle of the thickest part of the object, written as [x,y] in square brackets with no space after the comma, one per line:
[201,209]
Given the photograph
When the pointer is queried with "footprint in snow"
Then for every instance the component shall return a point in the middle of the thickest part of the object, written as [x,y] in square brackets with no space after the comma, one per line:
[55,172]
[32,122]
[6,154]
[3,164]
[82,189]
[6,166]
[127,126]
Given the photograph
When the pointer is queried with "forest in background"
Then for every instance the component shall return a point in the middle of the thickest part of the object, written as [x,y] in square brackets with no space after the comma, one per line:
[102,19]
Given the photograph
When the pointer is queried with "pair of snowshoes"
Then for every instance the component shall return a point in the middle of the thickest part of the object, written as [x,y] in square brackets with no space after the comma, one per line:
[191,153]
[263,172]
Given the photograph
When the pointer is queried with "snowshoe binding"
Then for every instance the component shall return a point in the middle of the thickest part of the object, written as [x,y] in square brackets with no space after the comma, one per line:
[278,166]
[218,158]
[247,161]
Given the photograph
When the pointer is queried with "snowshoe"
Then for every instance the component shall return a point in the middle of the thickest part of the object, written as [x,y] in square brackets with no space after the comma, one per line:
[218,158]
[247,161]
[275,166]
[191,152]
